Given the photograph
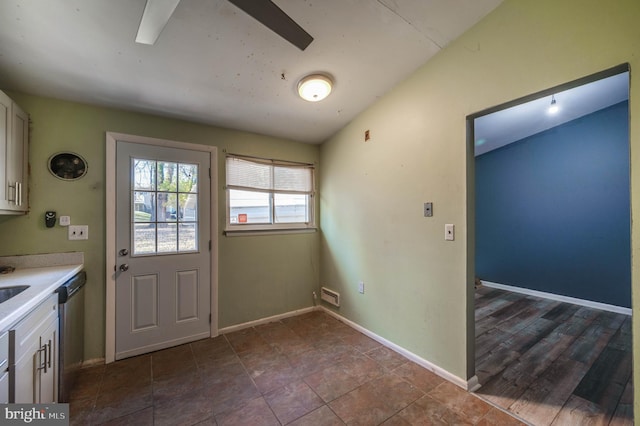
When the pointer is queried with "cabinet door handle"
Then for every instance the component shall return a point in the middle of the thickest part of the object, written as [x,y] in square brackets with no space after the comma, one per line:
[15,193]
[49,357]
[42,365]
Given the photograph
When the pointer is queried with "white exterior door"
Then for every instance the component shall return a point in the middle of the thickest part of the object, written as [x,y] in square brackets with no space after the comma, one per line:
[163,263]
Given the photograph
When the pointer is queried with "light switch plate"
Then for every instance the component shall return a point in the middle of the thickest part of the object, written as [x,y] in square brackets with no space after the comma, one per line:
[449,232]
[428,209]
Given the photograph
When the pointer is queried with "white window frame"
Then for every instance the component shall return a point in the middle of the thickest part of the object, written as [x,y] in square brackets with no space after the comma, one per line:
[232,229]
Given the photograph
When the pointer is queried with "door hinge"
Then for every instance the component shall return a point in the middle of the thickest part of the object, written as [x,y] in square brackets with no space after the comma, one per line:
[209,245]
[209,172]
[209,318]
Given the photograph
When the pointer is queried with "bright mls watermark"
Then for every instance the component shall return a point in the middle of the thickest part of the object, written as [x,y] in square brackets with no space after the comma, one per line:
[35,414]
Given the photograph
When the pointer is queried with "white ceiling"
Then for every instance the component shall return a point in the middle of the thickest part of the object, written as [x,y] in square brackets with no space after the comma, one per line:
[214,64]
[512,124]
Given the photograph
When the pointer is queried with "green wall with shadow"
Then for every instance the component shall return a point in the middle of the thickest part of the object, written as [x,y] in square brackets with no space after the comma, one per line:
[259,276]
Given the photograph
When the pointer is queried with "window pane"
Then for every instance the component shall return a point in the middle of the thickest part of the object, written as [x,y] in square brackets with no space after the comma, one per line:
[144,174]
[291,208]
[188,208]
[188,178]
[164,193]
[144,238]
[144,206]
[167,207]
[249,207]
[188,237]
[167,238]
[167,176]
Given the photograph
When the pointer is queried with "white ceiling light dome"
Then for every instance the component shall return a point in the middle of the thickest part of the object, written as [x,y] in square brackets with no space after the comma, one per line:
[315,87]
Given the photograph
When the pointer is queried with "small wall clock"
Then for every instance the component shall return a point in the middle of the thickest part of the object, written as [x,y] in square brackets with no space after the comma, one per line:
[67,165]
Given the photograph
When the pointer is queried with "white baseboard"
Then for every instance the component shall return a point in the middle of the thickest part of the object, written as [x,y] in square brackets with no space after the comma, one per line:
[91,362]
[567,299]
[266,320]
[470,385]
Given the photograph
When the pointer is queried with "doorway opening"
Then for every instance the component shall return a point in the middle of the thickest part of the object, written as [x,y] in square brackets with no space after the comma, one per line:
[550,245]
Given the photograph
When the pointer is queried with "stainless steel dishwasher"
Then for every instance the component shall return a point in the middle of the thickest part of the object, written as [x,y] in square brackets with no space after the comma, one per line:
[71,332]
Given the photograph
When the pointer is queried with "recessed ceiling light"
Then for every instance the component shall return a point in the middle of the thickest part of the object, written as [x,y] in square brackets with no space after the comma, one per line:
[315,87]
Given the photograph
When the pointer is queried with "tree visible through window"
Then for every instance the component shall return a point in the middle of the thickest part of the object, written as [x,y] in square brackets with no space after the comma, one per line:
[269,194]
[165,207]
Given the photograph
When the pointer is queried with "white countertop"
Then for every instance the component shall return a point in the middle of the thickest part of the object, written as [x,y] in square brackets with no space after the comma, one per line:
[42,282]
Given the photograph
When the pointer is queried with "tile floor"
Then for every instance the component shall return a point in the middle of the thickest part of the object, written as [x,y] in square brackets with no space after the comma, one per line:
[305,370]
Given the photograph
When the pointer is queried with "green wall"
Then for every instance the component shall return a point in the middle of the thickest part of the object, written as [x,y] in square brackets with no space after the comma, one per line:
[419,287]
[419,291]
[259,276]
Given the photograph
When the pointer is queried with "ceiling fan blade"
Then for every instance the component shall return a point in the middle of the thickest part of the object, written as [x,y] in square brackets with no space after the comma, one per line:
[270,15]
[154,18]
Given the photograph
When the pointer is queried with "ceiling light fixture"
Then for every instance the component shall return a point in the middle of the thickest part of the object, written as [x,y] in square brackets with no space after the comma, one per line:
[314,87]
[553,108]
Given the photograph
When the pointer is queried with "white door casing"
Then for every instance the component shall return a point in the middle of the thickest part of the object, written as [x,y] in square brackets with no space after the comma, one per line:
[165,293]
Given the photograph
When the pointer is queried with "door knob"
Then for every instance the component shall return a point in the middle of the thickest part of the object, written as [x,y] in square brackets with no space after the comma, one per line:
[124,267]
[123,252]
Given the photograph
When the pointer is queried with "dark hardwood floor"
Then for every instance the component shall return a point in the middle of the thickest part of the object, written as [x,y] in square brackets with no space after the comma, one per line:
[553,363]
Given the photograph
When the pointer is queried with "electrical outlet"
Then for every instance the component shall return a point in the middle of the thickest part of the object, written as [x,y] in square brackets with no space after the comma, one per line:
[78,232]
[361,287]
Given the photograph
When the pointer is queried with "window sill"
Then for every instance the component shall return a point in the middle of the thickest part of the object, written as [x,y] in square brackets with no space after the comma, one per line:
[273,231]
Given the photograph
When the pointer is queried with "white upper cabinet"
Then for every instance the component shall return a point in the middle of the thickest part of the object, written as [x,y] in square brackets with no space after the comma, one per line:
[14,156]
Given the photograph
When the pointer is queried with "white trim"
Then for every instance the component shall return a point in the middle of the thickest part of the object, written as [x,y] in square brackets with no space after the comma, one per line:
[567,299]
[266,320]
[473,384]
[470,385]
[110,243]
[87,363]
[249,233]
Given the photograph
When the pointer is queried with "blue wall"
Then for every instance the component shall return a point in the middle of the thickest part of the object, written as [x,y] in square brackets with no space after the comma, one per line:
[553,213]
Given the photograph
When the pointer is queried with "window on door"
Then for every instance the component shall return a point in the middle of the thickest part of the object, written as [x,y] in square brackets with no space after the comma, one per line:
[267,194]
[164,200]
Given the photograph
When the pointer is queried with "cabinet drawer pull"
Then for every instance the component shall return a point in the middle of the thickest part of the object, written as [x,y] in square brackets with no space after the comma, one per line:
[42,365]
[17,194]
[13,200]
[49,357]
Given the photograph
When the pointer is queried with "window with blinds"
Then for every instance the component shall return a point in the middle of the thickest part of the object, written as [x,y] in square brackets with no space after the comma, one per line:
[267,194]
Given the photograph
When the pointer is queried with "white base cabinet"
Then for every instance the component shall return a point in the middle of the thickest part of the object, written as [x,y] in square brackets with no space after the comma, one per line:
[33,355]
[4,367]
